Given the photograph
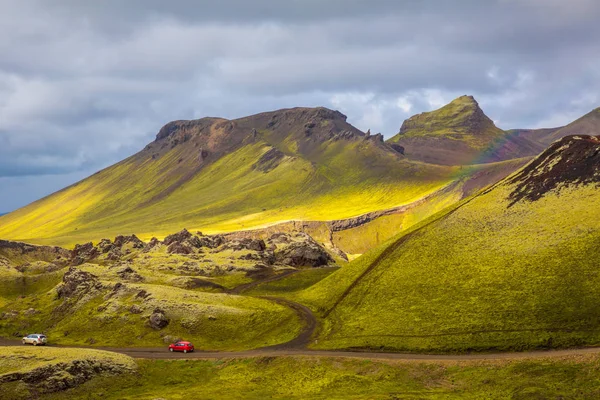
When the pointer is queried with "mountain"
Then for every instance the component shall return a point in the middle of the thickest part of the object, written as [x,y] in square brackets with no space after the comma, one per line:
[461,134]
[223,175]
[455,134]
[589,124]
[514,267]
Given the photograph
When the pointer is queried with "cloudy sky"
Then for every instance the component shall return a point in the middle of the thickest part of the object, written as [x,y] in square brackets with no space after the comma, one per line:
[84,84]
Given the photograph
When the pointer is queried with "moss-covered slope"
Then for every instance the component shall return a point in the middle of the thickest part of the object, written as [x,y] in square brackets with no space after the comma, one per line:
[513,268]
[220,175]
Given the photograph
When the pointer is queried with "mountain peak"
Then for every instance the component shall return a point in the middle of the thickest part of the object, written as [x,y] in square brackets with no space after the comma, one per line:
[572,160]
[465,99]
[454,134]
[461,116]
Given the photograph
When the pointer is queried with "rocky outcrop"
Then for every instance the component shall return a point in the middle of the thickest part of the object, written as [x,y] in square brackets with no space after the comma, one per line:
[158,320]
[131,240]
[83,253]
[397,148]
[307,253]
[65,375]
[182,242]
[28,253]
[76,283]
[573,160]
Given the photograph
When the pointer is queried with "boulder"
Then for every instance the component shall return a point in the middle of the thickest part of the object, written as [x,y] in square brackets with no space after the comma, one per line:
[303,254]
[158,320]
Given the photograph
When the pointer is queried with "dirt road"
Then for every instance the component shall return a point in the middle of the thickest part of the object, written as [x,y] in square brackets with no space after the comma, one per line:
[162,353]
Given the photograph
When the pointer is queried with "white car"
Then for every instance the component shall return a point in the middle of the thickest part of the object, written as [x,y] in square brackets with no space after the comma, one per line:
[34,339]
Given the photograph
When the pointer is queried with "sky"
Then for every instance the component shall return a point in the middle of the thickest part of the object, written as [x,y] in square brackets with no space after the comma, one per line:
[84,84]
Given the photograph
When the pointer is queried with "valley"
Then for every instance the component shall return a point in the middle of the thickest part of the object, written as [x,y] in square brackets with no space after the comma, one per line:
[290,241]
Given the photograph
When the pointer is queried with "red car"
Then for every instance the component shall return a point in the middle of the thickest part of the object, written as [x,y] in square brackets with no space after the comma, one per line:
[181,346]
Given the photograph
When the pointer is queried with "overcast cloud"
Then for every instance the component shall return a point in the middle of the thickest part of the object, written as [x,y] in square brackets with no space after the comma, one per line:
[84,84]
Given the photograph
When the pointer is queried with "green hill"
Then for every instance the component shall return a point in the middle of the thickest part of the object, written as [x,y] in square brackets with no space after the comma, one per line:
[515,267]
[224,175]
[456,134]
[461,134]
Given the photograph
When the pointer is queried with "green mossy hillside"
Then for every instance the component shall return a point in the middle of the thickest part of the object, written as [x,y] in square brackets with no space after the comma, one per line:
[221,176]
[485,274]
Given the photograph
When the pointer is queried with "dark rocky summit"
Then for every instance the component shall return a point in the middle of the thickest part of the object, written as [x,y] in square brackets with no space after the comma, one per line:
[573,160]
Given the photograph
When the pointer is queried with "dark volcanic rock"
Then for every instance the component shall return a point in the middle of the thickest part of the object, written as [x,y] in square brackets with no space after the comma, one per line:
[158,320]
[105,245]
[397,148]
[83,253]
[573,160]
[77,282]
[152,244]
[303,254]
[121,241]
[181,236]
[114,255]
[179,248]
[57,255]
[183,242]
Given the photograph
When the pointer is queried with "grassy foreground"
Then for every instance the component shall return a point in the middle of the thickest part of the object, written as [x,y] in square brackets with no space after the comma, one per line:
[343,378]
[27,372]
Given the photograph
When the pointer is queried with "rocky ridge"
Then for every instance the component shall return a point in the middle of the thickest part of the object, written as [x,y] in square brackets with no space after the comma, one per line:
[572,160]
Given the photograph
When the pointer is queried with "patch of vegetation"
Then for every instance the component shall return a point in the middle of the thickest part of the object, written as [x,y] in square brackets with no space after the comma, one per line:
[343,378]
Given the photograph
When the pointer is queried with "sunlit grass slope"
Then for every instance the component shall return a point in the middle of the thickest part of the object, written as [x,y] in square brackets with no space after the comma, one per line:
[489,273]
[219,175]
[346,378]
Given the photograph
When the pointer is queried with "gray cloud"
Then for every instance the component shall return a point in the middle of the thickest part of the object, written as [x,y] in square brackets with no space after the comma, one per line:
[84,84]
